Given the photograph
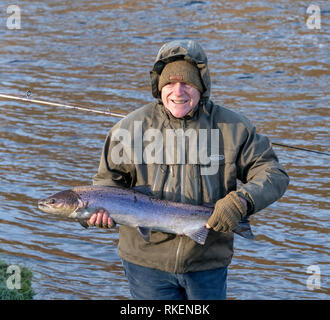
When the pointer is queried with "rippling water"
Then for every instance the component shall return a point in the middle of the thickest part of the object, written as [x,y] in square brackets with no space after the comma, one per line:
[264,62]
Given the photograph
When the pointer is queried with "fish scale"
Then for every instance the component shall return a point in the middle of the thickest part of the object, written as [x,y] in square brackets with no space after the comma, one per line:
[135,209]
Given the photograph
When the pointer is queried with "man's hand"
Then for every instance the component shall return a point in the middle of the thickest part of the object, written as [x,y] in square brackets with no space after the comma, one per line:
[101,219]
[227,213]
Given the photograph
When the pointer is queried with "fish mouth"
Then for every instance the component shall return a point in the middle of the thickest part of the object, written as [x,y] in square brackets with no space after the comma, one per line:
[42,205]
[47,205]
[47,201]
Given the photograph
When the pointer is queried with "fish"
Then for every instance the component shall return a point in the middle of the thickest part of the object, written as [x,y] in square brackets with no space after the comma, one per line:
[134,208]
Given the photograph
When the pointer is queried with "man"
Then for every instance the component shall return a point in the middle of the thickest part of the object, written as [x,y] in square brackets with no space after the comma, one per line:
[173,266]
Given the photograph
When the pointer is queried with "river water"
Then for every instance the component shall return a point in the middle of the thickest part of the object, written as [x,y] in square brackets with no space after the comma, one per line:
[265,62]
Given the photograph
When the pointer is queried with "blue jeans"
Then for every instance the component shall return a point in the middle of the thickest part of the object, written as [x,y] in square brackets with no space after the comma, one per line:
[152,284]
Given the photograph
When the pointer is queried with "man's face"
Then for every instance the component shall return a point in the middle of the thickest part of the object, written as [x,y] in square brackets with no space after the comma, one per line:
[179,98]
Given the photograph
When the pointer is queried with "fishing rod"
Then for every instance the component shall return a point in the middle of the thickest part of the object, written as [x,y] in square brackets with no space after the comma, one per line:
[114,114]
[120,115]
[299,148]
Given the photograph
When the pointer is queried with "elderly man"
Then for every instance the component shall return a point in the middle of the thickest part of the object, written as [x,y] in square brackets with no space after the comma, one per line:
[174,266]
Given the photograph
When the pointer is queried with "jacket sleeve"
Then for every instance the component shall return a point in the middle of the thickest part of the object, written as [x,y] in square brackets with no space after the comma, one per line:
[111,173]
[264,179]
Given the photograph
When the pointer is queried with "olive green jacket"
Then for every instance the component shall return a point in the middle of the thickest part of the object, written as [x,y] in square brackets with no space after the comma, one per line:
[231,151]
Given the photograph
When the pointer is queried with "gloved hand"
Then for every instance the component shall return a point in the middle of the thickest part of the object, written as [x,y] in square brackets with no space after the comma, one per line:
[227,213]
[101,219]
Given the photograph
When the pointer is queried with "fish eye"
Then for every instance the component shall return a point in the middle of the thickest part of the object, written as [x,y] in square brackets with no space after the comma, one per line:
[51,201]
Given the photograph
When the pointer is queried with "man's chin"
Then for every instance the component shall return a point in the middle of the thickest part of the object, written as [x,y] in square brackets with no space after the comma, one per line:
[177,114]
[179,111]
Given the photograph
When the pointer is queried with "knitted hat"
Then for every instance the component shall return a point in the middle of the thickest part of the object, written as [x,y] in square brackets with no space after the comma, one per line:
[180,71]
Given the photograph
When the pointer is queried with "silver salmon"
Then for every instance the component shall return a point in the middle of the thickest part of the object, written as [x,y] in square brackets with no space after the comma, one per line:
[135,209]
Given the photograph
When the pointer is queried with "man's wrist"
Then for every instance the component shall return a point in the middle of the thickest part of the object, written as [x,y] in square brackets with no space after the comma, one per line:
[244,202]
[249,203]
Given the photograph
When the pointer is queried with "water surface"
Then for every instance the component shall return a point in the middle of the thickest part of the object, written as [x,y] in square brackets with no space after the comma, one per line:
[264,62]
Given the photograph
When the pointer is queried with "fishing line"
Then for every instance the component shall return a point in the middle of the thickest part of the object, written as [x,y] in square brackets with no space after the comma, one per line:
[119,115]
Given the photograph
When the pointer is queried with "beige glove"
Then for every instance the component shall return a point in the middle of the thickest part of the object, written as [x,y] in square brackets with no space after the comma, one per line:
[227,213]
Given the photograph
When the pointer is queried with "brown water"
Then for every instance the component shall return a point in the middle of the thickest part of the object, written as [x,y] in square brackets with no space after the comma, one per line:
[264,62]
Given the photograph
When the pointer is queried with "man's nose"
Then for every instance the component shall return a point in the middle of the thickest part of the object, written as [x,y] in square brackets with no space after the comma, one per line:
[178,88]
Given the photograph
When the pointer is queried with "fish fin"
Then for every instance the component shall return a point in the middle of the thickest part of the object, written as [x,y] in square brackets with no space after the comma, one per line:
[198,236]
[208,205]
[244,229]
[83,223]
[145,189]
[144,232]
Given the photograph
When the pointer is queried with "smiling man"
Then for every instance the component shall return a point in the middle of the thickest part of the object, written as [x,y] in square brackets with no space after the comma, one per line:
[181,87]
[174,266]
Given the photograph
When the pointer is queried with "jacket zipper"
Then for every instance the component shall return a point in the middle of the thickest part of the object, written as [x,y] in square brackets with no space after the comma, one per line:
[183,167]
[183,198]
[177,254]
